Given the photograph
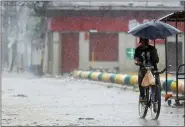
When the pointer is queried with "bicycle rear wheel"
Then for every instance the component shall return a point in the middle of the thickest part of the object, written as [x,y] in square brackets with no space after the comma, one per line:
[155,102]
[142,106]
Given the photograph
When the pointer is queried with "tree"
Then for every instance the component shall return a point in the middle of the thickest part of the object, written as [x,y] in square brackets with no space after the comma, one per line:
[13,16]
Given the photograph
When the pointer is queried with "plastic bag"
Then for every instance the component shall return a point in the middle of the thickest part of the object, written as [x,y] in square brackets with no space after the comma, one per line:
[148,79]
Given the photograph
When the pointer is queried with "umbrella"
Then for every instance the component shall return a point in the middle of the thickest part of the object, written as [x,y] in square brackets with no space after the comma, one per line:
[154,30]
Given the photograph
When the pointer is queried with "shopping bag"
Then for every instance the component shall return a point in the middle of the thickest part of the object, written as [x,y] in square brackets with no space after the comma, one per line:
[148,79]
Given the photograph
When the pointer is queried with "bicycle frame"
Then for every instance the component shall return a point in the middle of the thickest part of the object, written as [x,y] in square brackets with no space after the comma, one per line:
[150,92]
[153,96]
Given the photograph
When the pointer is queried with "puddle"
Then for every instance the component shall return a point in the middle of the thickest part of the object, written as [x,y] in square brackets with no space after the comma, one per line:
[20,95]
[85,118]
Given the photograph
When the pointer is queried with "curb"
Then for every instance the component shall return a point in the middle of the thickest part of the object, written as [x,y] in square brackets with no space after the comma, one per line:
[125,79]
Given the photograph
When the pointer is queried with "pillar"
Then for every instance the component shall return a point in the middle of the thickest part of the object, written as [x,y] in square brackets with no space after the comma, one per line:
[56,53]
[45,64]
[83,51]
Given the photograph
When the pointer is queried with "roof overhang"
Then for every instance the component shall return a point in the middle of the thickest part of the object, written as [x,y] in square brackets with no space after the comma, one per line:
[173,17]
[137,8]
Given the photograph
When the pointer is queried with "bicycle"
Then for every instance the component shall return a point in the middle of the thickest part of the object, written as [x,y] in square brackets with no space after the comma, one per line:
[152,96]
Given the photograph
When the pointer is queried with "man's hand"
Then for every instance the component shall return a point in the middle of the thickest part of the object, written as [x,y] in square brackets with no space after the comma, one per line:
[137,62]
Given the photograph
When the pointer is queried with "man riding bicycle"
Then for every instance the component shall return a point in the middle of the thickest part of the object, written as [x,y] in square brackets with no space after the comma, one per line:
[145,55]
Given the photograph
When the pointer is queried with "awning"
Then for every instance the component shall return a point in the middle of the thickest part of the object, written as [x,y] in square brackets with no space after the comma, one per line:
[175,16]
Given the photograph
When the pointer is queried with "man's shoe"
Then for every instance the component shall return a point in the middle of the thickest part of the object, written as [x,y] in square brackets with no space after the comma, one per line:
[142,99]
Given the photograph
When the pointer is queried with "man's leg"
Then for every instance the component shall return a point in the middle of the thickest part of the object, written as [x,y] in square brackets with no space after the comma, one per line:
[141,89]
[157,80]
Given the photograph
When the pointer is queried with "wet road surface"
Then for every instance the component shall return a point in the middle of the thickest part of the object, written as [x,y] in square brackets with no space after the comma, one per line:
[64,101]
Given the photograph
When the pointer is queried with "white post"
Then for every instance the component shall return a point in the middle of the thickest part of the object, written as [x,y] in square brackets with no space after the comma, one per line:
[45,63]
[56,53]
[1,61]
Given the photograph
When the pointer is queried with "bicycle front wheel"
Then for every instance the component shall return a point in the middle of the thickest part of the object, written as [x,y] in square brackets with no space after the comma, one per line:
[156,102]
[142,106]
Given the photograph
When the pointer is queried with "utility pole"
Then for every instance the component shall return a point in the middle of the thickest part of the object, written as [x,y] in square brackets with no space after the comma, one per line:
[1,16]
[184,42]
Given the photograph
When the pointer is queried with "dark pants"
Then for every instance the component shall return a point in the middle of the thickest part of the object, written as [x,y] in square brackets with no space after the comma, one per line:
[141,75]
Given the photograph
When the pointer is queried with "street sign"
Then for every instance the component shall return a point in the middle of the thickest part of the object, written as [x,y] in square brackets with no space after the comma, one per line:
[130,53]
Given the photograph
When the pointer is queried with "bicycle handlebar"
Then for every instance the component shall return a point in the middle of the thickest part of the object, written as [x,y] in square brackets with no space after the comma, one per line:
[165,69]
[155,71]
[152,67]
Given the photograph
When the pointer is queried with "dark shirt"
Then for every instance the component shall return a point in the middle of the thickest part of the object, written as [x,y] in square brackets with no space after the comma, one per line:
[147,55]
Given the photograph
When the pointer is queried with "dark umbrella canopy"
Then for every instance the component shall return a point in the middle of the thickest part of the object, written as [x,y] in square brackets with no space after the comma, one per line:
[154,30]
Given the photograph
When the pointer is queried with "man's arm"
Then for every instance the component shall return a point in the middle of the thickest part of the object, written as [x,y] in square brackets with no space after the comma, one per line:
[156,57]
[136,54]
[136,57]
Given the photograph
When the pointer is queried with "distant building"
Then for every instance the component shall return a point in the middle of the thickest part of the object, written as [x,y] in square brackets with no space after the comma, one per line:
[81,32]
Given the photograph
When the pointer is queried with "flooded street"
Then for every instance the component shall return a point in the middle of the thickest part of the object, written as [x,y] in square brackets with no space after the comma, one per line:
[64,101]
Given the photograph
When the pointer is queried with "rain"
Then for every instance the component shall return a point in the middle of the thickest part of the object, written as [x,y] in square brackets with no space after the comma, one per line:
[72,62]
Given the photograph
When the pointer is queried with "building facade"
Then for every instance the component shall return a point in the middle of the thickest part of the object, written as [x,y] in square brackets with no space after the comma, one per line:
[79,39]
